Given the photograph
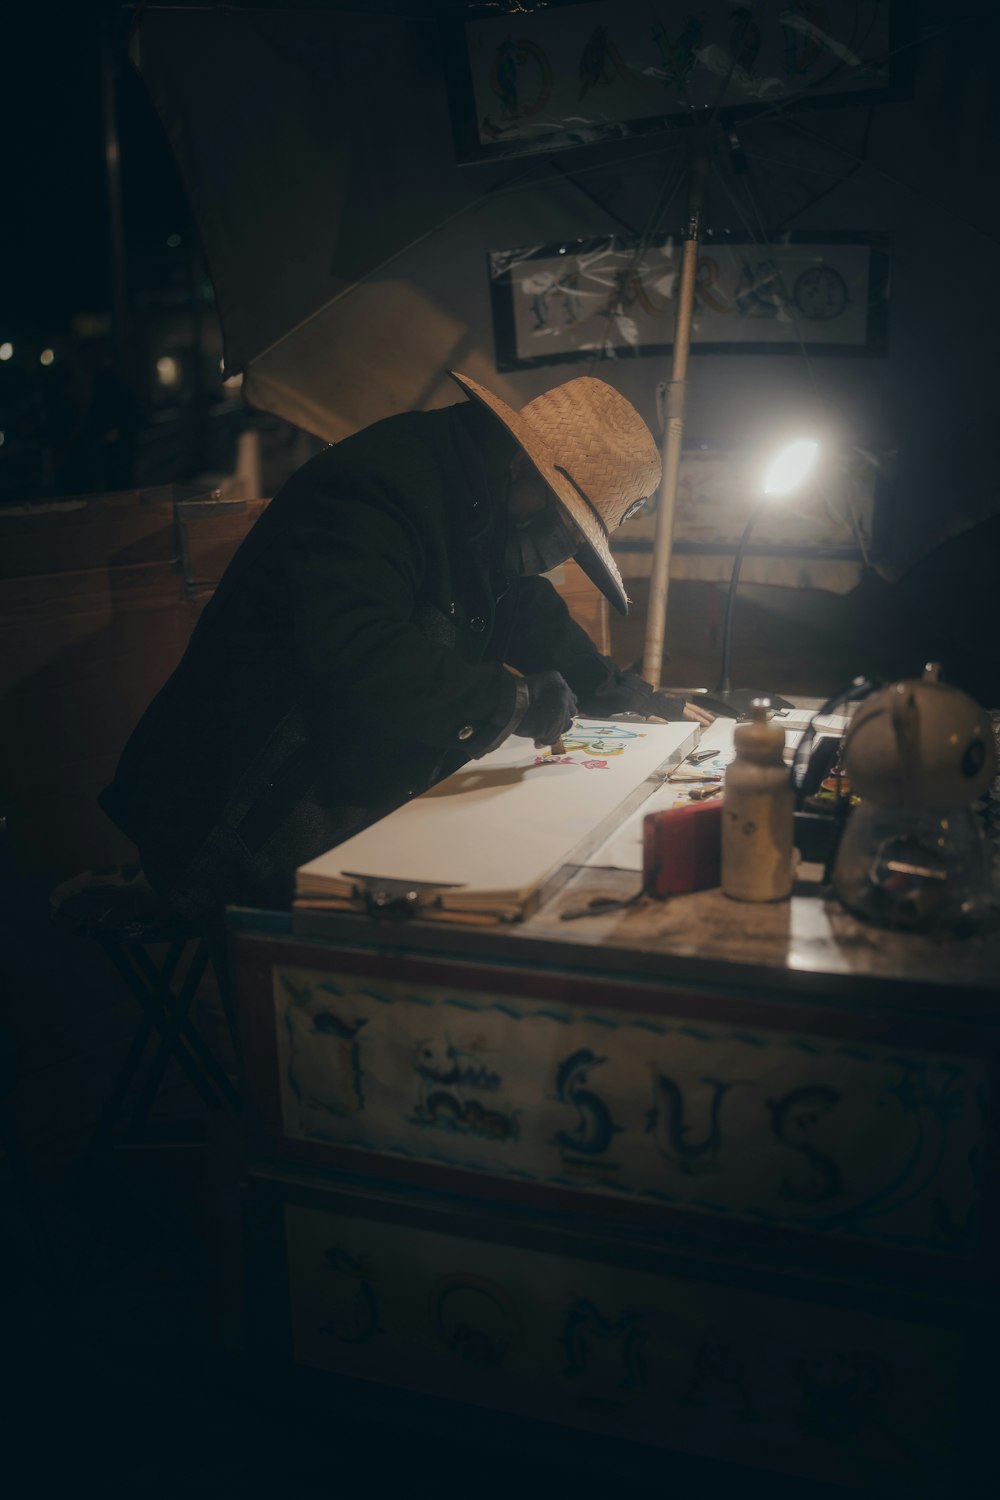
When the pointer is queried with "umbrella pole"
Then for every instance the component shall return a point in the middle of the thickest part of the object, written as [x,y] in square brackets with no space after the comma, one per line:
[673,433]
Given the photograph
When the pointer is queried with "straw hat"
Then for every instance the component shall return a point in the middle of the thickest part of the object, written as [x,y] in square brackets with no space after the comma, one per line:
[594,452]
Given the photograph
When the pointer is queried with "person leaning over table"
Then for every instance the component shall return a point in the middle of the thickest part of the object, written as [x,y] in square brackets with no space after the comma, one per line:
[356,649]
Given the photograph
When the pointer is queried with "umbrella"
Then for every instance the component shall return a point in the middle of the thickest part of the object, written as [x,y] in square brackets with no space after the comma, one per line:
[348,247]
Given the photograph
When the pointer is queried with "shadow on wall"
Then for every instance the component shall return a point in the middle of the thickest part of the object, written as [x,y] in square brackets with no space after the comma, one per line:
[93,620]
[944,608]
[809,641]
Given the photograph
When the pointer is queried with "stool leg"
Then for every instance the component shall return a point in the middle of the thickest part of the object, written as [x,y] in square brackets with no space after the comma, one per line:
[143,979]
[221,967]
[182,1035]
[214,934]
[158,1066]
[116,1099]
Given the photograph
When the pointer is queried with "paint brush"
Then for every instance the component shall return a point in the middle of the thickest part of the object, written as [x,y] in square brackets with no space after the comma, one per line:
[558,747]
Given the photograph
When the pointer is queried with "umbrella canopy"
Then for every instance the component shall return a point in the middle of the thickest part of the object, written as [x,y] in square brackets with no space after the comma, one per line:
[346,246]
[349,249]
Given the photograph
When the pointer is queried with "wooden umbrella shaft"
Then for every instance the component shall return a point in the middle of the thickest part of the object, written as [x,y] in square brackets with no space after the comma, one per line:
[673,434]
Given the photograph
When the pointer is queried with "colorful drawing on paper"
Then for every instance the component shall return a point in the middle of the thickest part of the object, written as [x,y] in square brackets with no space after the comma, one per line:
[600,741]
[567,760]
[456,1092]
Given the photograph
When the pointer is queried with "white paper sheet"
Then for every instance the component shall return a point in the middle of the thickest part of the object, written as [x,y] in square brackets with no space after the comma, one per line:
[503,823]
[623,849]
[801,718]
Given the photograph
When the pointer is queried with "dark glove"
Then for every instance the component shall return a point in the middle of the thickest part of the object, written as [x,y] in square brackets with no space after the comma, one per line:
[663,706]
[550,710]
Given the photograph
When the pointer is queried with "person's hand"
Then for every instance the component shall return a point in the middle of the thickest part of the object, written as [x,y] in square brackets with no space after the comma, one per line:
[551,706]
[668,709]
[693,710]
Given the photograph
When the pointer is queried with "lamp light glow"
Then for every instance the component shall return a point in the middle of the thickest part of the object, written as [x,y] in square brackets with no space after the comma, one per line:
[6,350]
[787,471]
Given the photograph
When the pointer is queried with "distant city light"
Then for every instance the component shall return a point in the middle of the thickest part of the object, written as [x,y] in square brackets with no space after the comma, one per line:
[46,357]
[6,351]
[168,371]
[90,325]
[173,240]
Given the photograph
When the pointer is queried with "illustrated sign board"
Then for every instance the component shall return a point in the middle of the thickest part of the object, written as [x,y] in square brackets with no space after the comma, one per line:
[549,77]
[607,298]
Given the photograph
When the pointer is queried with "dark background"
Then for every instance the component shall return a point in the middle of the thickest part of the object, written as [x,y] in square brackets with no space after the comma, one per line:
[98,416]
[121,1279]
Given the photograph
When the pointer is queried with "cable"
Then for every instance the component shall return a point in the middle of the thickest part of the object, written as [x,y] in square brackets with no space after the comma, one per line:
[859,689]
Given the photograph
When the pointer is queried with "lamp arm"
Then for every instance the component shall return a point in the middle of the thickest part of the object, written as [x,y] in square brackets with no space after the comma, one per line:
[724,685]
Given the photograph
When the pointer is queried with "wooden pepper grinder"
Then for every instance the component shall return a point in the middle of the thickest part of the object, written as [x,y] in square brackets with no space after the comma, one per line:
[757,813]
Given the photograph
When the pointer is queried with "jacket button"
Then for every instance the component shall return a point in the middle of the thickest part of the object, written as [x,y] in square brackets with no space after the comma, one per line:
[466,732]
[478,624]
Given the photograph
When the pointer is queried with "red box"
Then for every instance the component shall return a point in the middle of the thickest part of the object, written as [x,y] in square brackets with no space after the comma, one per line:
[682,848]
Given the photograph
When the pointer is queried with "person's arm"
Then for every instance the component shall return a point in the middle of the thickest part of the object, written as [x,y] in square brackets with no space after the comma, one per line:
[354,560]
[546,637]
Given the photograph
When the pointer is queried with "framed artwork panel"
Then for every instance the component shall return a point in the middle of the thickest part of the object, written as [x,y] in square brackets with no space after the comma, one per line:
[523,79]
[614,298]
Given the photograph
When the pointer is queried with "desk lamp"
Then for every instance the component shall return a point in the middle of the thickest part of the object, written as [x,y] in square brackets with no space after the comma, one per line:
[784,475]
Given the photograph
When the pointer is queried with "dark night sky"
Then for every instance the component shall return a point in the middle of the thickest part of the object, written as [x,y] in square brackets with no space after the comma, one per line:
[56,241]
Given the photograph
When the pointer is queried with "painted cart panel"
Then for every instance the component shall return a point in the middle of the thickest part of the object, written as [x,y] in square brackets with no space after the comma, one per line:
[805,1131]
[821,1390]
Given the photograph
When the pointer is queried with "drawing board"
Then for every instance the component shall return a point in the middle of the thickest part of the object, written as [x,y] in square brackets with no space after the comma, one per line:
[490,835]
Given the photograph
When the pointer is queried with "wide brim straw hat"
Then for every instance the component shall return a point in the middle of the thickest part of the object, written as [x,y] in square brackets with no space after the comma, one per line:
[596,454]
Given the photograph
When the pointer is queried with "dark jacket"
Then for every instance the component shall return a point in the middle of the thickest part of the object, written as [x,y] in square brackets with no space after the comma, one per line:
[351,656]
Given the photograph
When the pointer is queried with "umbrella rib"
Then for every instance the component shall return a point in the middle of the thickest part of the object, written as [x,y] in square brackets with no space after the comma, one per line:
[346,291]
[496,190]
[908,187]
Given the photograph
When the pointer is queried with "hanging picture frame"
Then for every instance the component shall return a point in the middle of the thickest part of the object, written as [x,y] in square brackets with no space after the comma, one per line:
[826,292]
[526,77]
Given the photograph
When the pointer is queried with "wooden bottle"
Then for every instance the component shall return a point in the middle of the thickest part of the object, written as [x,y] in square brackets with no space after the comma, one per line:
[757,814]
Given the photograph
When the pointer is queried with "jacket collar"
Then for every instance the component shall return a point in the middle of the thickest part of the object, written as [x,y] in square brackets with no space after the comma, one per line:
[476,467]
